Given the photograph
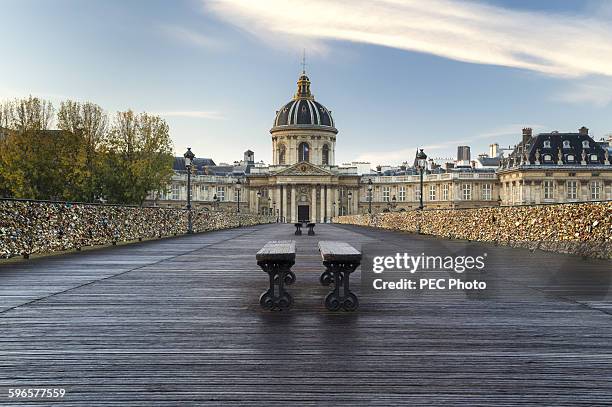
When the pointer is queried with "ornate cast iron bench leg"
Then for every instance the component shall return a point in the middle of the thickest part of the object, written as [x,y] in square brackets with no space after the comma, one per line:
[341,296]
[280,274]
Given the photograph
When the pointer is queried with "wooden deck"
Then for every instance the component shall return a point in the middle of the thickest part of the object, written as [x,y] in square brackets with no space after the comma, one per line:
[178,322]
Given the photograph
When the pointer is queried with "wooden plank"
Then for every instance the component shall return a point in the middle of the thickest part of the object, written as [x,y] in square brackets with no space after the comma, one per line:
[178,322]
[281,250]
[338,251]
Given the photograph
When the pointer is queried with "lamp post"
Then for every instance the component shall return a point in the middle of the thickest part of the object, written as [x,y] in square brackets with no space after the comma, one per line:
[333,210]
[189,156]
[421,158]
[215,202]
[269,205]
[258,198]
[370,196]
[238,187]
[350,197]
[393,202]
[274,208]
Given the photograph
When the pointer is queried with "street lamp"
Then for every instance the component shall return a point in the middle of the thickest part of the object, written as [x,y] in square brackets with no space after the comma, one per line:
[421,158]
[394,202]
[370,196]
[238,187]
[274,207]
[189,156]
[215,202]
[350,196]
[258,198]
[334,209]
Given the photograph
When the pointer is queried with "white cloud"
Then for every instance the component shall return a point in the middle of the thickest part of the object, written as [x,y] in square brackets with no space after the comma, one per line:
[200,114]
[191,37]
[595,90]
[553,44]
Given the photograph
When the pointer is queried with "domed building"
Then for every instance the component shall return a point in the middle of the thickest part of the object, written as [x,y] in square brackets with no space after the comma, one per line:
[303,183]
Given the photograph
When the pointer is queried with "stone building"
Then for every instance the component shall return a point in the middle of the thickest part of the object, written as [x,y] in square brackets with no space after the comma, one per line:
[303,182]
[556,167]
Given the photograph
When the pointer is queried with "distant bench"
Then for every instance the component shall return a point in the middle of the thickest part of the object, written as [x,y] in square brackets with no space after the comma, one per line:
[276,259]
[298,228]
[340,260]
[299,225]
[311,229]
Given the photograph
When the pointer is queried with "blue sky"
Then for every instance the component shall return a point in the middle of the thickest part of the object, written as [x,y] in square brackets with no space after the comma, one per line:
[396,74]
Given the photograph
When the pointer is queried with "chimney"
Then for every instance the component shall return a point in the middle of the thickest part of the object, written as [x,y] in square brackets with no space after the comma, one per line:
[527,132]
[463,153]
[493,150]
[583,130]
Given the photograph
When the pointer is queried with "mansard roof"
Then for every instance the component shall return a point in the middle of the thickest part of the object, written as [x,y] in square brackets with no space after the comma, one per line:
[571,145]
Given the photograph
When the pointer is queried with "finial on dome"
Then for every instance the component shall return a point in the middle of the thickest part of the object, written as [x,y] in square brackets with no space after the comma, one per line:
[303,89]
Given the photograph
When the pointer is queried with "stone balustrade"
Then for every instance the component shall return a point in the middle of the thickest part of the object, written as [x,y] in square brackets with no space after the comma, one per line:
[582,228]
[29,227]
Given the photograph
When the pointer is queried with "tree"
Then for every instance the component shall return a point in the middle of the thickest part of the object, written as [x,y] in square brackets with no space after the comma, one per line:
[31,114]
[89,122]
[138,157]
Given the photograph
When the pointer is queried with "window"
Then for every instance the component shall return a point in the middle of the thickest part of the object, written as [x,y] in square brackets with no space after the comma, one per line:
[546,143]
[175,192]
[486,192]
[236,193]
[585,144]
[595,190]
[303,152]
[221,194]
[572,189]
[594,158]
[547,157]
[402,193]
[325,159]
[417,194]
[386,193]
[570,157]
[445,192]
[566,144]
[548,187]
[432,192]
[281,154]
[466,192]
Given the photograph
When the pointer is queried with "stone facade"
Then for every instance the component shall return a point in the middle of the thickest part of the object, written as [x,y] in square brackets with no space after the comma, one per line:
[304,183]
[581,228]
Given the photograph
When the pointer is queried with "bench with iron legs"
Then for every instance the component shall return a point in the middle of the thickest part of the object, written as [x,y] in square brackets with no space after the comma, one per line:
[298,229]
[340,260]
[311,229]
[276,259]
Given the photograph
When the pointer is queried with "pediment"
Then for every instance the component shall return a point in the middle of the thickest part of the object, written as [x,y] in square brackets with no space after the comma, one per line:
[304,168]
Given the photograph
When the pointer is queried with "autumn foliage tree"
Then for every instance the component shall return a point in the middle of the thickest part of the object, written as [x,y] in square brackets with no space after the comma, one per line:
[84,159]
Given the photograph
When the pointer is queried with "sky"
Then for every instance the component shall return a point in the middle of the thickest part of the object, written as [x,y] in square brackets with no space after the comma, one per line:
[396,74]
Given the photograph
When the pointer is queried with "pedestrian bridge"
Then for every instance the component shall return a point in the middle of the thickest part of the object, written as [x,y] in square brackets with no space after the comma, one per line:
[177,321]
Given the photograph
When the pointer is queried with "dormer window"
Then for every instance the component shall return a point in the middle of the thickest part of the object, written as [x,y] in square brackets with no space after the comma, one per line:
[546,143]
[547,157]
[570,157]
[594,158]
[585,144]
[566,144]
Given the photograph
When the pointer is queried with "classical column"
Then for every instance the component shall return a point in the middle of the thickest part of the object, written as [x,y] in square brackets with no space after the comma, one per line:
[321,204]
[313,204]
[328,203]
[283,204]
[293,205]
[337,201]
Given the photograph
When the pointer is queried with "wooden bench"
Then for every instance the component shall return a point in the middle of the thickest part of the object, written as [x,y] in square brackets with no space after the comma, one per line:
[276,259]
[298,229]
[340,260]
[311,229]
